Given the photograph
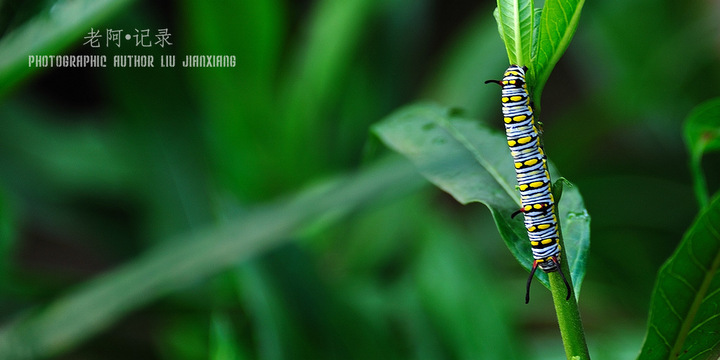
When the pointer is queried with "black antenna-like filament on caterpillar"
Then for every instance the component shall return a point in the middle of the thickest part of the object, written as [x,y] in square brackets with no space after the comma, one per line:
[532,273]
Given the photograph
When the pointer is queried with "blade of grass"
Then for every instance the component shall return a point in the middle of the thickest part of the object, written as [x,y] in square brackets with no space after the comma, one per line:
[237,101]
[334,33]
[48,33]
[223,343]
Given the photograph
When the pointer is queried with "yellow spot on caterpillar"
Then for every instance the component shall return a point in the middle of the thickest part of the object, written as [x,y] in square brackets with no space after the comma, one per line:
[508,120]
[516,98]
[520,118]
[505,99]
[538,206]
[543,226]
[512,82]
[547,241]
[528,207]
[518,165]
[540,260]
[536,184]
[524,140]
[523,187]
[512,72]
[532,228]
[531,162]
[534,243]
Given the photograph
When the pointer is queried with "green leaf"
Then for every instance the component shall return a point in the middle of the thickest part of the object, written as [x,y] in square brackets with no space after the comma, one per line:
[190,258]
[558,186]
[515,24]
[575,227]
[702,134]
[472,162]
[557,27]
[684,318]
[270,319]
[48,33]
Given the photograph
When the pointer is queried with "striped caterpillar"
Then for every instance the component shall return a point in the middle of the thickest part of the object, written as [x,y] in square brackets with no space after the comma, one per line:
[538,204]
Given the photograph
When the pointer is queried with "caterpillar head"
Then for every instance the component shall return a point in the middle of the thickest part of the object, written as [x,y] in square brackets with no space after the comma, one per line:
[514,77]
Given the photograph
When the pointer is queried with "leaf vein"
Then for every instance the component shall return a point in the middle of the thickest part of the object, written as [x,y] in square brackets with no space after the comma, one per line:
[696,327]
[660,335]
[700,294]
[681,279]
[669,304]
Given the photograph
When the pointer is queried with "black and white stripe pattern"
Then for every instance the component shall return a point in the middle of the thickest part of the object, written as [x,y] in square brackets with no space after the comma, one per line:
[538,205]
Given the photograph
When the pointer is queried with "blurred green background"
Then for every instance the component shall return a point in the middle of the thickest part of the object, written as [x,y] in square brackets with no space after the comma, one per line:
[105,169]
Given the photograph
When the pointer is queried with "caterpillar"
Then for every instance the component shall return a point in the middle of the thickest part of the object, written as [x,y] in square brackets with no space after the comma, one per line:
[538,204]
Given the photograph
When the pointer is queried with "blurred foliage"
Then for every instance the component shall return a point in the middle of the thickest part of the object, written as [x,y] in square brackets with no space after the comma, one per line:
[683,311]
[105,170]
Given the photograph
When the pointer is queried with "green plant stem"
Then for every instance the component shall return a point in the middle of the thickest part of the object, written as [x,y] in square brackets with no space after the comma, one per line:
[568,314]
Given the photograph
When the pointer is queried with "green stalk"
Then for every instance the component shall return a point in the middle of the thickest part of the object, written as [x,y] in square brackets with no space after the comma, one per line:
[568,314]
